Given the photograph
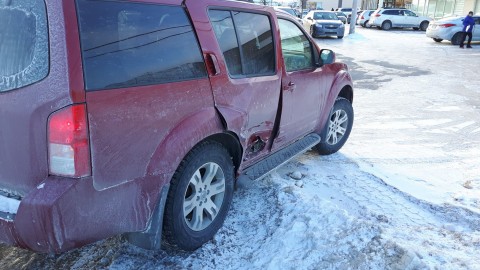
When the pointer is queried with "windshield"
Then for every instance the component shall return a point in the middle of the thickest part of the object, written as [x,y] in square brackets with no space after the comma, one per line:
[289,10]
[324,16]
[23,43]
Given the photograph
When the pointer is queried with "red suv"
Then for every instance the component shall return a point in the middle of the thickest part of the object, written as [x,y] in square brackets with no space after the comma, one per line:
[137,117]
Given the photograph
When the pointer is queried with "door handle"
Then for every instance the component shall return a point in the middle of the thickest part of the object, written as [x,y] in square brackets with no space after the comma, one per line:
[212,64]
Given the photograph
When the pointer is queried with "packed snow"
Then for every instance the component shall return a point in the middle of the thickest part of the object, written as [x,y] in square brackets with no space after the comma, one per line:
[403,193]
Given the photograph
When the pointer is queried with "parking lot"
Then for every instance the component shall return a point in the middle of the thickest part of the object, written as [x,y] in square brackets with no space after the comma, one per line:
[403,193]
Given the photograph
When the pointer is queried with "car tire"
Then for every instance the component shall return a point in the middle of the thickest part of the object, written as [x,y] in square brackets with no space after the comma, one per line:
[437,39]
[312,31]
[415,28]
[339,37]
[386,25]
[364,24]
[424,25]
[337,129]
[199,198]
[457,38]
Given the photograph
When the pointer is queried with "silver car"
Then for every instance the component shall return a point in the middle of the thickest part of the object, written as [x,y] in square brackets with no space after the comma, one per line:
[364,17]
[324,23]
[450,28]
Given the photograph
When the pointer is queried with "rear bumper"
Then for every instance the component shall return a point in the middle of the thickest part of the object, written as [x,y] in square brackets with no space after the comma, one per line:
[62,214]
[438,34]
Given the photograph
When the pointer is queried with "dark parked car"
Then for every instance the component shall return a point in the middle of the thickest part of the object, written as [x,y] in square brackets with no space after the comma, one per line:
[342,16]
[324,23]
[137,117]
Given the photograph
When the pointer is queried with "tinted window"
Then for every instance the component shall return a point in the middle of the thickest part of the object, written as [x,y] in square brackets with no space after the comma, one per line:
[289,10]
[324,16]
[246,41]
[296,48]
[391,12]
[227,39]
[131,44]
[23,43]
[409,13]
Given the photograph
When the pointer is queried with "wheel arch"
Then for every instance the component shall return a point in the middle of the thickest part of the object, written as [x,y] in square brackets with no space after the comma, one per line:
[347,93]
[454,39]
[168,156]
[387,21]
[342,86]
[230,141]
[423,22]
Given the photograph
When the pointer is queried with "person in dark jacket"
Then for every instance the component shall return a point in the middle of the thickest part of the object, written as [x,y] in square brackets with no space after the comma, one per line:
[468,24]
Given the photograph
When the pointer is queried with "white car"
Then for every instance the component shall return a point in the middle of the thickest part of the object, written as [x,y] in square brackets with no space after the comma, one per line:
[386,18]
[364,17]
[450,28]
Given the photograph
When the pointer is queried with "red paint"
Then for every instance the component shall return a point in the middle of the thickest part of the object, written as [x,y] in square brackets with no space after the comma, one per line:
[139,135]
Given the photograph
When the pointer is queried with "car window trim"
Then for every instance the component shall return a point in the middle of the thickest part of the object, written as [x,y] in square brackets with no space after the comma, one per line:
[259,12]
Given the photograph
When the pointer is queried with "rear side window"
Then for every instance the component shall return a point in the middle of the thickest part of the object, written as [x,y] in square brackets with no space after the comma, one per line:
[246,41]
[391,12]
[133,44]
[24,55]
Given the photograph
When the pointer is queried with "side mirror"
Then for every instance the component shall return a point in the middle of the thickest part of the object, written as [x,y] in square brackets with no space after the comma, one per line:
[326,57]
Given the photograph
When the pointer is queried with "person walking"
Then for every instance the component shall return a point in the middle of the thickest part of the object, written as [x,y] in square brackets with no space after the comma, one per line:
[468,24]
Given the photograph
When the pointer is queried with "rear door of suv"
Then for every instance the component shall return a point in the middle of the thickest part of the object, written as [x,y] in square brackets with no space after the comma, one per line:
[245,74]
[411,19]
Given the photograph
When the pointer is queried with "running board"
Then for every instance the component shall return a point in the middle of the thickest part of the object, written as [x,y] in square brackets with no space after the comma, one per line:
[281,157]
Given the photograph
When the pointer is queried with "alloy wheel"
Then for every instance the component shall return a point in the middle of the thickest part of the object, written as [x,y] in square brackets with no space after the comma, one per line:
[337,127]
[204,196]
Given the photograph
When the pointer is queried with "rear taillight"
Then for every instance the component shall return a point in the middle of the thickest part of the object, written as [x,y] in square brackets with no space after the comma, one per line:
[446,25]
[377,15]
[68,143]
[362,17]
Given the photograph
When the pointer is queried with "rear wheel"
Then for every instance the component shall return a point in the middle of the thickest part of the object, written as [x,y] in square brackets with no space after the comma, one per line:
[386,25]
[437,39]
[364,24]
[199,197]
[337,129]
[424,25]
[457,38]
[339,37]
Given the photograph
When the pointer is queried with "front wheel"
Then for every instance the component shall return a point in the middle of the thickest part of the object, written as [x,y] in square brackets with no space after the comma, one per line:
[437,39]
[200,194]
[312,31]
[424,26]
[338,127]
[339,37]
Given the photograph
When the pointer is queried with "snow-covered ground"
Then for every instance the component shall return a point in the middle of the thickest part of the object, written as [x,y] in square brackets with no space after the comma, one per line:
[403,193]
